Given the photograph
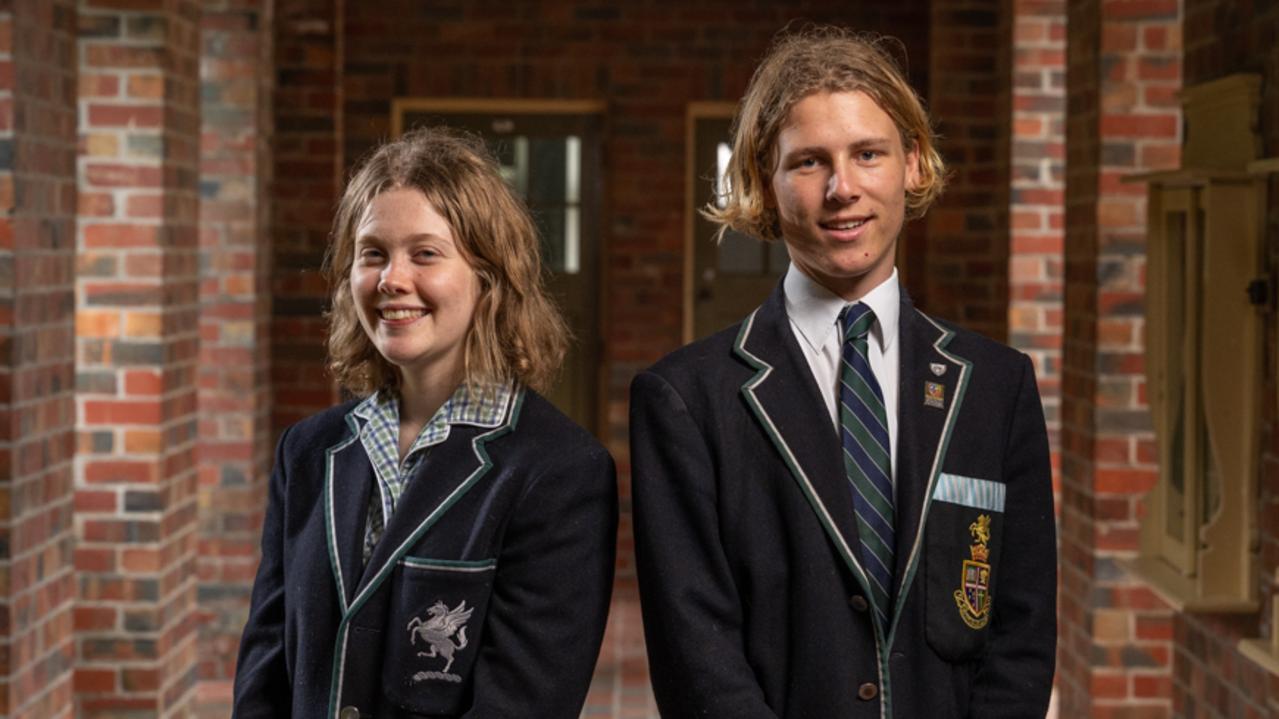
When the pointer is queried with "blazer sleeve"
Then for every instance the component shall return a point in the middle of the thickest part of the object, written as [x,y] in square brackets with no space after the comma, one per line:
[262,684]
[692,611]
[551,592]
[1016,674]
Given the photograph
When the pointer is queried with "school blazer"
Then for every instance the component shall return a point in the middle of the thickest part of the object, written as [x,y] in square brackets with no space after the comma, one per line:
[486,597]
[753,593]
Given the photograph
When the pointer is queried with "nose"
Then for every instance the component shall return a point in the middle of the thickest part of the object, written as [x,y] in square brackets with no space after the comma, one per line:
[841,187]
[394,278]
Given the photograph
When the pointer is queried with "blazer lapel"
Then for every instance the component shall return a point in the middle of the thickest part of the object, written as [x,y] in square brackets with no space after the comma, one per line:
[931,387]
[448,471]
[348,480]
[785,400]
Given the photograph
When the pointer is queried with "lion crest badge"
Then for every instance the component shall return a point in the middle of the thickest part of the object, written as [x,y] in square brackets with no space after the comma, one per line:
[437,632]
[973,596]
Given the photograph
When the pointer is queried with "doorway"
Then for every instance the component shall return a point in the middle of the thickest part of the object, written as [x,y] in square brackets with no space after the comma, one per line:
[724,281]
[550,153]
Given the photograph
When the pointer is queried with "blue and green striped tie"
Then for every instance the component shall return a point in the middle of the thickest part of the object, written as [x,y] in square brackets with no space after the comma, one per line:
[863,428]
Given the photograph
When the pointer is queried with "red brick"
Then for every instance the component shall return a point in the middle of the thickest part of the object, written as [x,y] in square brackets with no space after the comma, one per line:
[121,236]
[122,412]
[1139,126]
[1123,481]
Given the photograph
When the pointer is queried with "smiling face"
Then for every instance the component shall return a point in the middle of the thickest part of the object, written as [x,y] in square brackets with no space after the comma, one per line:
[414,291]
[839,189]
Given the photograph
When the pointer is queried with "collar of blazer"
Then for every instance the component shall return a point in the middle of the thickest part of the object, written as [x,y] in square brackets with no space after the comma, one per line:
[455,466]
[783,397]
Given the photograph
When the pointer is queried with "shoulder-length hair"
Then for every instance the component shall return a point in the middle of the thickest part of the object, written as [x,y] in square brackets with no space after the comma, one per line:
[517,332]
[820,59]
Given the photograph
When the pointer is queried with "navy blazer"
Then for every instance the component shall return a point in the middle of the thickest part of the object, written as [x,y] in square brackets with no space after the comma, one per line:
[754,596]
[486,597]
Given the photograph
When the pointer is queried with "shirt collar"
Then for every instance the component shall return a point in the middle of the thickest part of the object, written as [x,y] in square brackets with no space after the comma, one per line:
[482,405]
[814,310]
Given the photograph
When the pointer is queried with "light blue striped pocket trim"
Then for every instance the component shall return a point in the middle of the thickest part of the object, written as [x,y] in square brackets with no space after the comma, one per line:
[970,492]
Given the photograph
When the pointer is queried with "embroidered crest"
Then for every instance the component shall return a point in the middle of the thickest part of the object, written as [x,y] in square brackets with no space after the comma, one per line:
[938,368]
[437,632]
[934,394]
[973,596]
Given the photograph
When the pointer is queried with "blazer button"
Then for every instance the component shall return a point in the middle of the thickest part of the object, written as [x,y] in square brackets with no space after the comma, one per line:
[859,603]
[353,713]
[867,691]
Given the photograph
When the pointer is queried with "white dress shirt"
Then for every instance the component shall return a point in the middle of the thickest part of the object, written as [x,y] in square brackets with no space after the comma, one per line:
[814,318]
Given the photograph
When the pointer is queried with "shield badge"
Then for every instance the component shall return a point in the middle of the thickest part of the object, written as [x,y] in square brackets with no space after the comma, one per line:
[973,596]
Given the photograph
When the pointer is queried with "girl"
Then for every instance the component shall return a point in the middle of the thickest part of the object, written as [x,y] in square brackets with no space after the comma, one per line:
[444,545]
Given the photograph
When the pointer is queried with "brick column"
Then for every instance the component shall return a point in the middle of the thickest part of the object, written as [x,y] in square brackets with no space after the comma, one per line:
[965,276]
[234,391]
[37,404]
[1122,118]
[137,319]
[308,161]
[1038,188]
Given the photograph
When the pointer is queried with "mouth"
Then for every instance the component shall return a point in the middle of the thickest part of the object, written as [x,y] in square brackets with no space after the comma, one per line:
[401,314]
[844,225]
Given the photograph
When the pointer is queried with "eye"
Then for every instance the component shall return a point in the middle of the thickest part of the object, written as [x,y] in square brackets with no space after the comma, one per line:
[369,255]
[868,155]
[426,253]
[806,163]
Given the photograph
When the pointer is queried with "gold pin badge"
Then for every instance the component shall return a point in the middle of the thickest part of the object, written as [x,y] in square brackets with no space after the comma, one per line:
[934,394]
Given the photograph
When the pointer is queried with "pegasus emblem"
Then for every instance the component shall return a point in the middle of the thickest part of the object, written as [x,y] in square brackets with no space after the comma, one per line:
[438,631]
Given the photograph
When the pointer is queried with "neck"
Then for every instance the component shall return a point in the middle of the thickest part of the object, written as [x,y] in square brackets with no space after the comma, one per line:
[422,394]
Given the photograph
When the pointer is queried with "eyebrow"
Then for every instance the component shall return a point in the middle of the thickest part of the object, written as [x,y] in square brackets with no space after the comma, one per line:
[820,150]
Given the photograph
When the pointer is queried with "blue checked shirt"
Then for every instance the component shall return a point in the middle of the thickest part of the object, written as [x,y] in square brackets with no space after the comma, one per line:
[380,436]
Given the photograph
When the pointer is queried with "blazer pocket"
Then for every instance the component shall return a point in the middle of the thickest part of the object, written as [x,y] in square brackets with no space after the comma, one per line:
[965,525]
[436,622]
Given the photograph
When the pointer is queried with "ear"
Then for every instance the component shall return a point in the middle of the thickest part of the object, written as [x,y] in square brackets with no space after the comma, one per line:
[913,175]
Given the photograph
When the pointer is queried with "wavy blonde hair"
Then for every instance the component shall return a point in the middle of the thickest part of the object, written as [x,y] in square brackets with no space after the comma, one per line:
[517,332]
[800,63]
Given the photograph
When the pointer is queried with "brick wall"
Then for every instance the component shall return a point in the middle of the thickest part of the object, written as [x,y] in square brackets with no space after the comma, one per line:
[1123,70]
[966,251]
[1038,182]
[1211,679]
[37,407]
[234,388]
[308,120]
[137,343]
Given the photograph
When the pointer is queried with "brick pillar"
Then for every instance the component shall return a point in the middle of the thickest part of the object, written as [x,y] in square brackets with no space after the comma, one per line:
[966,275]
[308,162]
[234,391]
[1122,118]
[37,404]
[1038,188]
[136,320]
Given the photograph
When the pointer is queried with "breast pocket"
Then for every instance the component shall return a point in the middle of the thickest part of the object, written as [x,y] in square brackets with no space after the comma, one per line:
[965,525]
[435,625]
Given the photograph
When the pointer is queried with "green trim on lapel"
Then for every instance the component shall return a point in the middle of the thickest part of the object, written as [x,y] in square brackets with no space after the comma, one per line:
[965,370]
[329,528]
[515,404]
[763,370]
